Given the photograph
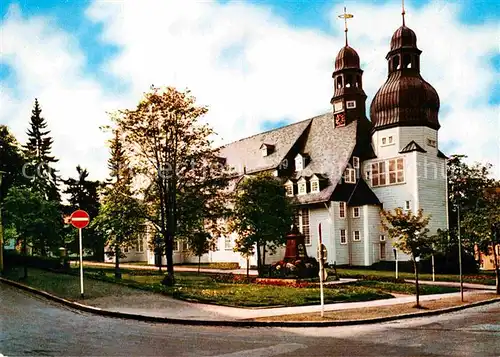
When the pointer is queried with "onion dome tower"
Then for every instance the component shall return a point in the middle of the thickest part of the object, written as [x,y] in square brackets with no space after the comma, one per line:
[405,99]
[349,97]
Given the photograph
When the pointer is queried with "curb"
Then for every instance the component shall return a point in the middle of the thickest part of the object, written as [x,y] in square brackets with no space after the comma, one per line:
[238,323]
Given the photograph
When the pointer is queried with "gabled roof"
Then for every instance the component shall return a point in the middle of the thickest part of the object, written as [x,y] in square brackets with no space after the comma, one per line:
[412,146]
[441,155]
[329,149]
[245,153]
[356,195]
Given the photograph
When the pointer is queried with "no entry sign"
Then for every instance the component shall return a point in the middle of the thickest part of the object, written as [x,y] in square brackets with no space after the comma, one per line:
[80,219]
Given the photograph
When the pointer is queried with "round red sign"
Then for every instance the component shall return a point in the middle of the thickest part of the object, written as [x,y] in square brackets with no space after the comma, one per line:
[80,219]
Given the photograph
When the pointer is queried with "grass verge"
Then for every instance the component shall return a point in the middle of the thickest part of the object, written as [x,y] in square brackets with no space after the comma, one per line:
[405,288]
[485,278]
[381,311]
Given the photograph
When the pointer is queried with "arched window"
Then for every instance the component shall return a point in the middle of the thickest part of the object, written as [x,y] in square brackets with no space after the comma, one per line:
[406,61]
[358,81]
[395,63]
[348,81]
[339,81]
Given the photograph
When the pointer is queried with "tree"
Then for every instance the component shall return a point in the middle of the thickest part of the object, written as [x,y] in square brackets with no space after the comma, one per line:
[33,218]
[37,150]
[482,224]
[410,234]
[11,161]
[200,243]
[262,215]
[173,152]
[120,216]
[84,194]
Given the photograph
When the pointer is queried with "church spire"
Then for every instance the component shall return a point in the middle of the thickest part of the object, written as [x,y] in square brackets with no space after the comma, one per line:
[346,16]
[403,12]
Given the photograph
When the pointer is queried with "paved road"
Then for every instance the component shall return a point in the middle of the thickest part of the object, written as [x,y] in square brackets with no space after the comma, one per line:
[33,326]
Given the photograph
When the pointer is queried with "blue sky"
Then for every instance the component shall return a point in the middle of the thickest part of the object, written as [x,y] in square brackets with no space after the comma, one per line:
[99,60]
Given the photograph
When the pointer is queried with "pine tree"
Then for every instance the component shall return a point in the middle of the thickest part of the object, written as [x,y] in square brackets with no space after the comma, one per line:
[120,215]
[84,194]
[38,154]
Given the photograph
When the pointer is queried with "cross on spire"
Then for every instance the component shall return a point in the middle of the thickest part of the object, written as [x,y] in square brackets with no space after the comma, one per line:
[346,16]
[403,12]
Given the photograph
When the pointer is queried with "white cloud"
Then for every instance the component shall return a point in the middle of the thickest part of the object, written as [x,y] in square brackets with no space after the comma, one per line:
[242,60]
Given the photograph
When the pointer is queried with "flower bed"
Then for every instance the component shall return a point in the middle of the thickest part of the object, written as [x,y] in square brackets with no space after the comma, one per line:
[300,268]
[283,282]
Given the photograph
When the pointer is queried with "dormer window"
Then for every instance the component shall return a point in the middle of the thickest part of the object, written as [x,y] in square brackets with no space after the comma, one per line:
[302,186]
[289,188]
[299,162]
[350,175]
[355,162]
[314,184]
[266,149]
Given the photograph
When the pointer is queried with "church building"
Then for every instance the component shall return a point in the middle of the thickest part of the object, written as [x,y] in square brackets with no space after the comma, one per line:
[342,168]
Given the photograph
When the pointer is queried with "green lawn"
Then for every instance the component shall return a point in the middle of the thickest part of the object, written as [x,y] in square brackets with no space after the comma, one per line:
[192,287]
[480,278]
[405,288]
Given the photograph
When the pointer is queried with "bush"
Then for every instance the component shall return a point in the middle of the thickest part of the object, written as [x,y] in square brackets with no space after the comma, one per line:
[231,278]
[14,259]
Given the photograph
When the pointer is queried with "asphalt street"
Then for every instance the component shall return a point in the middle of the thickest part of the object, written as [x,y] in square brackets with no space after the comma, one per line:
[33,326]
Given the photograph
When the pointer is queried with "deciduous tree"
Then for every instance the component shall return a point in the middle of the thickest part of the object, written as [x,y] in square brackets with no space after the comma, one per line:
[172,150]
[410,235]
[262,215]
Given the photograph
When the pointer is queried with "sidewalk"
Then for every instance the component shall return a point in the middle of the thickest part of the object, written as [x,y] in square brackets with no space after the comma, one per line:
[150,304]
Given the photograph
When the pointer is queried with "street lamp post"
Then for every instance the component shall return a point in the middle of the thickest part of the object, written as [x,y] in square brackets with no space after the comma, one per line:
[1,226]
[460,255]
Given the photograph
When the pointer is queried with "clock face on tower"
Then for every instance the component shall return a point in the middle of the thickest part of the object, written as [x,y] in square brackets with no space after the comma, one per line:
[339,119]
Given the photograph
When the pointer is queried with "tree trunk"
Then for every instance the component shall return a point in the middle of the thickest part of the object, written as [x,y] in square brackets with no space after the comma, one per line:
[199,264]
[25,253]
[118,273]
[259,262]
[264,256]
[417,291]
[497,270]
[248,268]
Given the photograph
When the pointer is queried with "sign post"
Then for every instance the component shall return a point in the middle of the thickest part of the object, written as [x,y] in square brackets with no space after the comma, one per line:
[80,219]
[396,259]
[322,272]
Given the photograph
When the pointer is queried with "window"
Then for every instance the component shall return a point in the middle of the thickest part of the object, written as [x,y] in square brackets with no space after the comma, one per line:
[387,140]
[125,249]
[342,209]
[407,205]
[227,243]
[382,251]
[378,174]
[314,185]
[387,172]
[431,142]
[289,188]
[177,246]
[350,176]
[355,236]
[263,150]
[301,220]
[339,82]
[396,171]
[348,81]
[140,244]
[382,238]
[302,186]
[299,163]
[350,104]
[343,238]
[355,162]
[355,212]
[337,107]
